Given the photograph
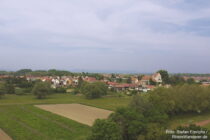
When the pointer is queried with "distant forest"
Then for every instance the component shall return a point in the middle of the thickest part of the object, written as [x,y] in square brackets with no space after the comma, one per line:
[54,72]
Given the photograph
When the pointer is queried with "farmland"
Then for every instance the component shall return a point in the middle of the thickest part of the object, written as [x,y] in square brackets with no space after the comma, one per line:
[21,120]
[80,113]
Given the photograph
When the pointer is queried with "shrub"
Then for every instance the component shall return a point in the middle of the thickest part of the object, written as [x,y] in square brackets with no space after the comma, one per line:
[105,130]
[41,90]
[94,90]
[2,89]
[19,91]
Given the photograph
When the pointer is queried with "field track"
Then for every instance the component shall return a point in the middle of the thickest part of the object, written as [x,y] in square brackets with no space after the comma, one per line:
[80,113]
[203,123]
[4,136]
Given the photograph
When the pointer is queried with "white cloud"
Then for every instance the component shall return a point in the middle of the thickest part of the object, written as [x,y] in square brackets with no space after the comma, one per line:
[121,27]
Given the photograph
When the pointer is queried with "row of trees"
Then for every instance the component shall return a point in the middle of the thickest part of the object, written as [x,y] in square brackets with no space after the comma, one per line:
[40,89]
[174,79]
[146,117]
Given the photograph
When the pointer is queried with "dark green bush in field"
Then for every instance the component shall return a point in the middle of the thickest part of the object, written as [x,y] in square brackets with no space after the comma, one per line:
[41,90]
[131,123]
[94,90]
[2,89]
[20,91]
[10,89]
[105,130]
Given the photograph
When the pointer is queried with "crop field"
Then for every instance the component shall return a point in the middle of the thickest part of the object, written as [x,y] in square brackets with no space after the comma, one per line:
[80,113]
[25,122]
[21,120]
[4,136]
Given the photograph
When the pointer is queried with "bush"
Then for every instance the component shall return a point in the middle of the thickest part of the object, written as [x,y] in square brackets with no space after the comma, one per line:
[94,90]
[19,91]
[41,90]
[105,130]
[2,89]
[181,99]
[130,122]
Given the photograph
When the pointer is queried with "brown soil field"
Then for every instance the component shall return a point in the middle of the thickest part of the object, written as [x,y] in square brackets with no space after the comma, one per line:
[80,113]
[4,136]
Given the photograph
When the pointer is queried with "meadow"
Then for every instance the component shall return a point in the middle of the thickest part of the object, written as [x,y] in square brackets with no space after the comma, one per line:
[22,121]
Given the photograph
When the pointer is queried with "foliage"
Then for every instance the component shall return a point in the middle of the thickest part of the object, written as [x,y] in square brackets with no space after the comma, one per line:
[22,72]
[130,122]
[193,128]
[94,90]
[152,82]
[175,80]
[10,89]
[154,131]
[19,82]
[190,81]
[181,99]
[2,89]
[151,111]
[129,80]
[80,82]
[41,90]
[105,130]
[19,91]
[165,76]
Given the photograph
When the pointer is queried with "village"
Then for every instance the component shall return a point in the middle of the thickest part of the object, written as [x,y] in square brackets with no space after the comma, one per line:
[114,82]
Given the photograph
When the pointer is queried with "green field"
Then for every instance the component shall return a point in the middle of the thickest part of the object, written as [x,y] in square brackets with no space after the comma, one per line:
[22,121]
[110,103]
[189,119]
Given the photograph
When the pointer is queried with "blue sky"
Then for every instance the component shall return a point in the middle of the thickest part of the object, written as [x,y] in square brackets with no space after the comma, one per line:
[106,35]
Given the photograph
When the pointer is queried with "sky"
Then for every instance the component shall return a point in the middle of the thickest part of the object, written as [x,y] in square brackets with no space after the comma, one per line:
[105,35]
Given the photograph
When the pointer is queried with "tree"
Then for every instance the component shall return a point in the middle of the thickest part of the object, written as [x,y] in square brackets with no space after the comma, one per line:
[94,90]
[23,72]
[165,76]
[10,89]
[152,82]
[151,111]
[105,130]
[131,123]
[194,128]
[80,82]
[190,81]
[41,90]
[129,80]
[2,89]
[175,80]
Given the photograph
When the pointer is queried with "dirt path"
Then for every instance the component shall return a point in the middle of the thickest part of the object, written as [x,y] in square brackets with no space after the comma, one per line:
[4,136]
[80,113]
[203,123]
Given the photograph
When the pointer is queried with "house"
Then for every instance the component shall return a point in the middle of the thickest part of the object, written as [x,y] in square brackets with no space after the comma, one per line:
[157,78]
[134,80]
[122,86]
[145,80]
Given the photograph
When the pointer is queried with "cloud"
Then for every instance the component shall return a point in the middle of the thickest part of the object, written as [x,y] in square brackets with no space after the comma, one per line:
[119,34]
